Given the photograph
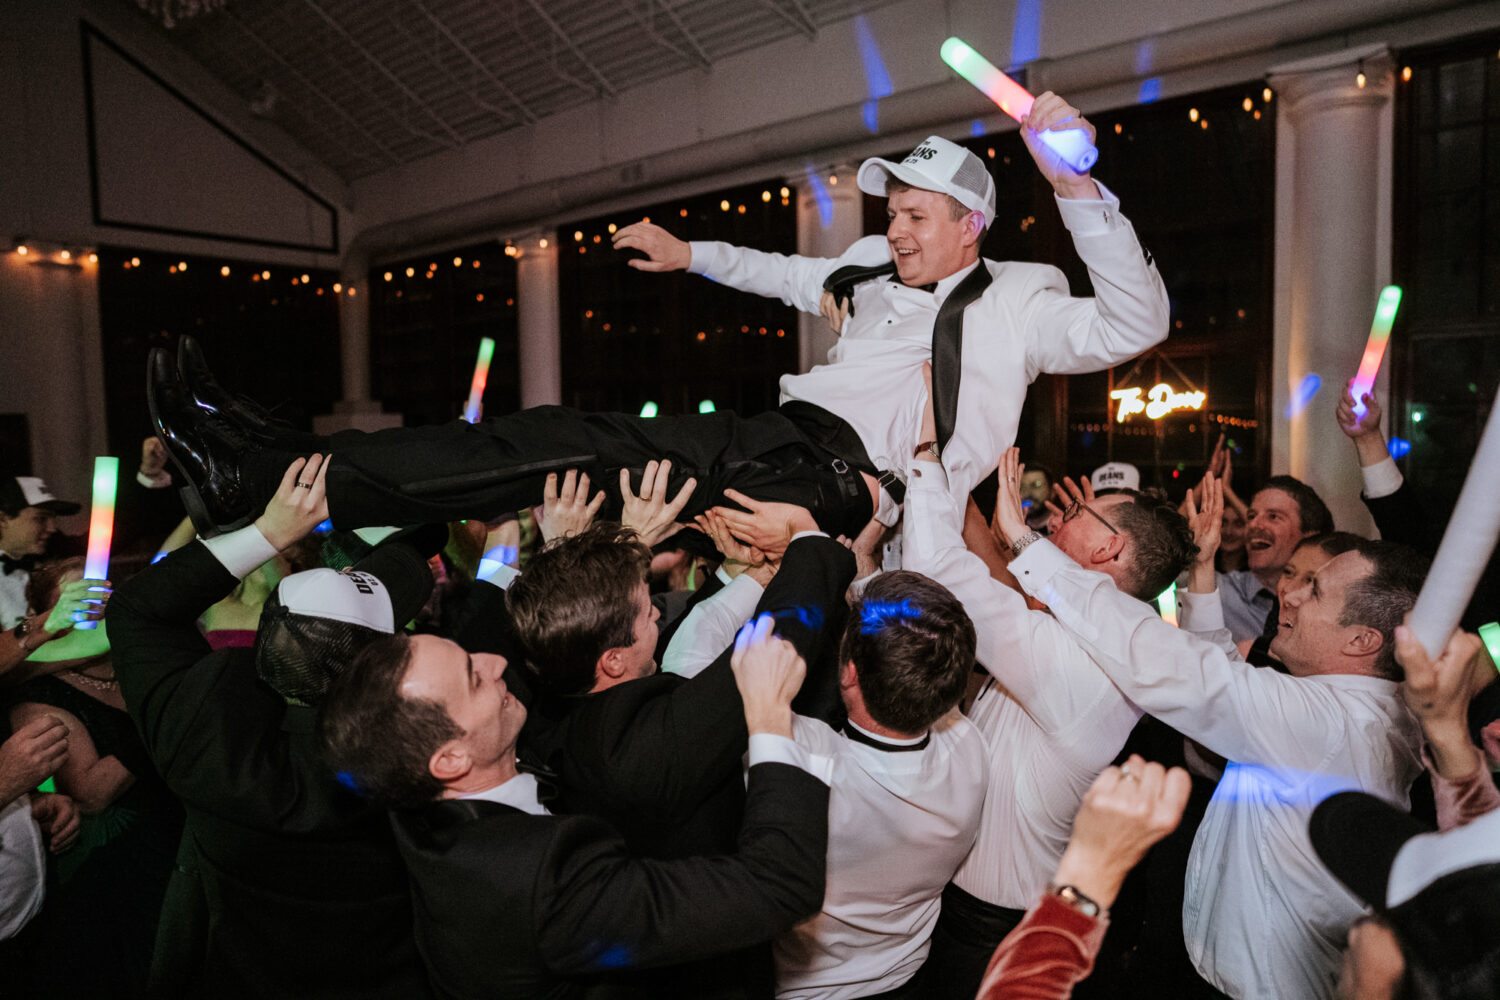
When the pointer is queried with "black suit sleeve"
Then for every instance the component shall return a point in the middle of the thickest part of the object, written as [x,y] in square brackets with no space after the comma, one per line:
[682,743]
[601,909]
[156,643]
[212,729]
[1399,518]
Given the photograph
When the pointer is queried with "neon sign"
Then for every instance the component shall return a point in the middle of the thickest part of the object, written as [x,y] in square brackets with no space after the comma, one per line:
[1160,401]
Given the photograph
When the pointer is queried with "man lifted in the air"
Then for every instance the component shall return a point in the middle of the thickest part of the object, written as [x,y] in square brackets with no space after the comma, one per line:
[989,328]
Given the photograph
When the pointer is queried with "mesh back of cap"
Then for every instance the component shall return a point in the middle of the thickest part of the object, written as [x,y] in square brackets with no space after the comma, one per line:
[300,655]
[971,175]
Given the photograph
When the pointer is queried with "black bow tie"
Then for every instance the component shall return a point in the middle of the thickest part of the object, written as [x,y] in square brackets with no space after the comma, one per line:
[547,789]
[9,564]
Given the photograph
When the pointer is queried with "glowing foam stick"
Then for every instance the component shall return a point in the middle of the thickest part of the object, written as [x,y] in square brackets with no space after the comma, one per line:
[101,523]
[1166,603]
[1490,633]
[1071,144]
[1380,333]
[481,376]
[1467,544]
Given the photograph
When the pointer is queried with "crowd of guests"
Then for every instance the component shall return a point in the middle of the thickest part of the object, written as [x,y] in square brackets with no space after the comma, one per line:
[443,761]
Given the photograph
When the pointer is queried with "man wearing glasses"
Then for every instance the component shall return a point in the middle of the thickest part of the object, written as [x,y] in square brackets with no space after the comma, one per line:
[1052,719]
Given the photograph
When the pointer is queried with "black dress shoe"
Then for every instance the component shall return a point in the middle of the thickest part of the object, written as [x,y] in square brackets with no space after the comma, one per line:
[239,411]
[205,449]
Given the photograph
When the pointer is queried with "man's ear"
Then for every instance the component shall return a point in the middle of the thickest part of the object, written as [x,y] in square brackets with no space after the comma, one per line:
[848,676]
[973,228]
[450,762]
[1365,642]
[611,665]
[1108,550]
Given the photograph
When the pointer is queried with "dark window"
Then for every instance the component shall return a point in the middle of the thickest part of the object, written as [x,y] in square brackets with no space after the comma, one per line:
[266,332]
[427,317]
[1447,336]
[677,340]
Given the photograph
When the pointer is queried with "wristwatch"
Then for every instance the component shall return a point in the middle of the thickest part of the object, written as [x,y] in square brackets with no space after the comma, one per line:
[930,448]
[1075,899]
[1019,545]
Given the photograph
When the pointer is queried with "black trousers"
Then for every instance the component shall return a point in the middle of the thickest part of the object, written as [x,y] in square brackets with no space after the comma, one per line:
[451,471]
[964,940]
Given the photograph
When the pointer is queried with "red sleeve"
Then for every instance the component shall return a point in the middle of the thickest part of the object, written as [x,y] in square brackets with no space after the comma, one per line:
[1049,951]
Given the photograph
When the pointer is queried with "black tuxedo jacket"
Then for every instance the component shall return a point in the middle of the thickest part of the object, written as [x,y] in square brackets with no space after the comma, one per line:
[515,906]
[287,883]
[659,758]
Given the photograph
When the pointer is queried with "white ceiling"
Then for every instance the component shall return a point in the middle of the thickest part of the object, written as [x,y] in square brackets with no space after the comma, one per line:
[370,84]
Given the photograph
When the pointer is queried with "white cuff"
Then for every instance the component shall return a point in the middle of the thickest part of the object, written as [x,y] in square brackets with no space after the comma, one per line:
[241,551]
[162,481]
[1091,217]
[771,748]
[497,573]
[814,533]
[1381,479]
[1037,564]
[857,588]
[1199,612]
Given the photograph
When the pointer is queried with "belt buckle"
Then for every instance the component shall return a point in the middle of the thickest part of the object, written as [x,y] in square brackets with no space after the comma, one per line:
[839,466]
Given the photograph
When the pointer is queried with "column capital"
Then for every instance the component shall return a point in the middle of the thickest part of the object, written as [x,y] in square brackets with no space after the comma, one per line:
[1332,79]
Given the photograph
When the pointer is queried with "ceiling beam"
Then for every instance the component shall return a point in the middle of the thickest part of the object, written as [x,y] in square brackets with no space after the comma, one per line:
[562,36]
[381,67]
[529,116]
[296,74]
[703,61]
[795,13]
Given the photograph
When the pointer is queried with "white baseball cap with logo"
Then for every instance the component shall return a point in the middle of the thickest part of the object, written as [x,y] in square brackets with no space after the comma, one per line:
[1115,476]
[936,165]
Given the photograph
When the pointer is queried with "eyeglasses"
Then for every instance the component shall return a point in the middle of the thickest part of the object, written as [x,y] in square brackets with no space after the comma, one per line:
[1078,506]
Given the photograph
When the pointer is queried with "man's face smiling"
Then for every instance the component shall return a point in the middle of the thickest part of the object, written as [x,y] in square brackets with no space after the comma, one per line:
[926,242]
[1309,639]
[26,534]
[1272,531]
[470,688]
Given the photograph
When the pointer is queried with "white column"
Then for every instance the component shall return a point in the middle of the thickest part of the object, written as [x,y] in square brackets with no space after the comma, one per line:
[1333,249]
[539,349]
[829,219]
[356,410]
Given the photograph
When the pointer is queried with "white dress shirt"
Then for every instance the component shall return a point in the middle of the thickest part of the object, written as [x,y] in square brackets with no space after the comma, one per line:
[710,626]
[900,819]
[1024,324]
[23,866]
[1051,718]
[13,597]
[1262,918]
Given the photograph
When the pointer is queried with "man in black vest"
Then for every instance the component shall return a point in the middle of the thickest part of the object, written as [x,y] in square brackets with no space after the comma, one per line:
[842,428]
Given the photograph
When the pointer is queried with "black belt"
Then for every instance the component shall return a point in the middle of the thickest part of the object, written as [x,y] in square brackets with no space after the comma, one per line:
[832,435]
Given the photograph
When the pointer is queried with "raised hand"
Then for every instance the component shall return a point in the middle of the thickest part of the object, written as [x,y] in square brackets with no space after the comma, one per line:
[1357,426]
[738,557]
[1438,694]
[78,601]
[767,525]
[1051,111]
[664,251]
[1010,517]
[300,503]
[1125,811]
[651,514]
[768,671]
[568,511]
